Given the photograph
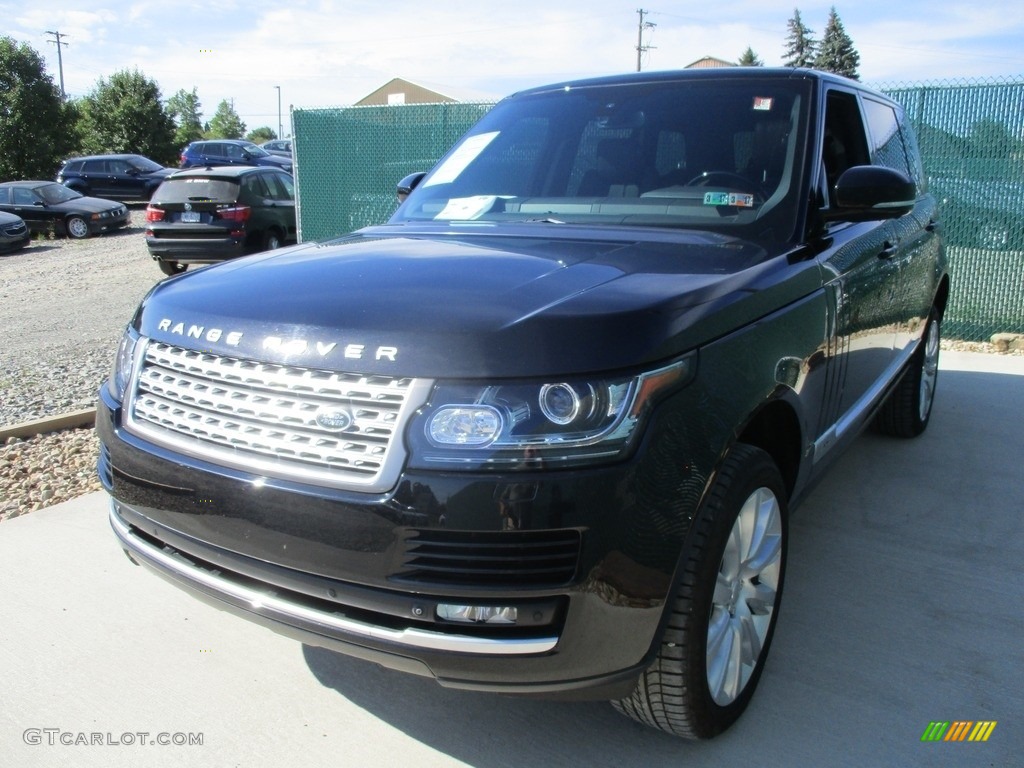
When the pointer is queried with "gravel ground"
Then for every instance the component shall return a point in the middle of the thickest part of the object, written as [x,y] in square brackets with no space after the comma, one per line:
[63,305]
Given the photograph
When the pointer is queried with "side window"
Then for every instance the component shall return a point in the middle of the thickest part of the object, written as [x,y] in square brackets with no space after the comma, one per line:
[24,196]
[254,187]
[844,143]
[886,142]
[913,152]
[117,166]
[94,166]
[281,186]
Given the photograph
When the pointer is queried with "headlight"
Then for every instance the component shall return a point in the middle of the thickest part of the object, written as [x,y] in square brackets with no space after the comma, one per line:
[510,425]
[118,381]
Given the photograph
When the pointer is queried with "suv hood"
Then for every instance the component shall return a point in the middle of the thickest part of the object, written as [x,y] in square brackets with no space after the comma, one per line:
[520,300]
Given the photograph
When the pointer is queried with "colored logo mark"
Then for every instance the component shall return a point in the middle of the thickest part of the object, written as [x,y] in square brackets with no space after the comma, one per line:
[958,730]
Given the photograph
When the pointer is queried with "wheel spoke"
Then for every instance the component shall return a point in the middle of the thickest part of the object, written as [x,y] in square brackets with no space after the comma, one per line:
[744,596]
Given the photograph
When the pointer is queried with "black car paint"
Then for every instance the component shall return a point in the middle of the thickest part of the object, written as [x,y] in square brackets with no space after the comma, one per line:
[790,347]
[114,177]
[44,218]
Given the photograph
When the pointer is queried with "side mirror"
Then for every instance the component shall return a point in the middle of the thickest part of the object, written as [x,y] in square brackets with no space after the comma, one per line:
[133,171]
[408,184]
[871,192]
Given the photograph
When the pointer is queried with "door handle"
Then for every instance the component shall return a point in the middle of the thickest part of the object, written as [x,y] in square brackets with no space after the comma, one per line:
[888,250]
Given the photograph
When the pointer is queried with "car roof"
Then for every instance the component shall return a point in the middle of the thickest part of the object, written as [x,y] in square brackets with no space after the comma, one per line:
[221,171]
[117,156]
[222,141]
[707,73]
[27,183]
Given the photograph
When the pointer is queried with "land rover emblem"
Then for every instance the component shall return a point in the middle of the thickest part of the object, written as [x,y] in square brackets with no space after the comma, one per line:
[334,419]
[188,206]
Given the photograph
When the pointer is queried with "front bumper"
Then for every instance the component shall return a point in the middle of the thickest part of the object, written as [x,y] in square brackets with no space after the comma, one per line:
[341,569]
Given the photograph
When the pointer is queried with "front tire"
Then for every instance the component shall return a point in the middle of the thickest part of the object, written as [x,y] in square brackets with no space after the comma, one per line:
[723,617]
[77,227]
[909,408]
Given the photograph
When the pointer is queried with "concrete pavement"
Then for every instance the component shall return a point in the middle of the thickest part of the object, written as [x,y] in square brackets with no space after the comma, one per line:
[903,606]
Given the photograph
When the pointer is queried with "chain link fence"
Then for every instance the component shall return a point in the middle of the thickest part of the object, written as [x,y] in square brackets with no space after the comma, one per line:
[348,161]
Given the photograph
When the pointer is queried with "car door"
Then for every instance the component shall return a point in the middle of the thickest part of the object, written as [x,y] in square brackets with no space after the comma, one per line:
[93,175]
[282,192]
[122,183]
[862,273]
[30,206]
[893,145]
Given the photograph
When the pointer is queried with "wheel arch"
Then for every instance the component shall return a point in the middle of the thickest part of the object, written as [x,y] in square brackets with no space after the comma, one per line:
[775,429]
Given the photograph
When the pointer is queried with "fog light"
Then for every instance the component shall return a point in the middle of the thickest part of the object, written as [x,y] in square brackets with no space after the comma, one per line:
[478,614]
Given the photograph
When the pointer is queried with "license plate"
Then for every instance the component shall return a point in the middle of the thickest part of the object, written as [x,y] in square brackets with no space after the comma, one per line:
[190,217]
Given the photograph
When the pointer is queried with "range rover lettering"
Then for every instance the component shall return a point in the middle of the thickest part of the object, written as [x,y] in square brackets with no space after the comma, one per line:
[541,432]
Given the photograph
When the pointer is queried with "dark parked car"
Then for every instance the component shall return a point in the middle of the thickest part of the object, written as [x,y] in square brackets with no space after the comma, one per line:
[47,206]
[117,177]
[278,147]
[542,432]
[231,152]
[204,215]
[14,234]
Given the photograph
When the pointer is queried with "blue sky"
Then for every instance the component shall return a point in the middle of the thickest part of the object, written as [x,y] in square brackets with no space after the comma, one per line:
[331,53]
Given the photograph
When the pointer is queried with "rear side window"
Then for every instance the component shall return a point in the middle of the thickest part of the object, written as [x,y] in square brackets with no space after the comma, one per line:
[281,186]
[197,190]
[886,141]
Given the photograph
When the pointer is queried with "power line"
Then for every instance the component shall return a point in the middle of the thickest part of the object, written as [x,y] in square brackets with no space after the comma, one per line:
[60,59]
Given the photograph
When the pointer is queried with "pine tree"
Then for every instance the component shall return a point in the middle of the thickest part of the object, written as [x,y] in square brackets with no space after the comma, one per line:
[225,124]
[800,46]
[836,52]
[749,59]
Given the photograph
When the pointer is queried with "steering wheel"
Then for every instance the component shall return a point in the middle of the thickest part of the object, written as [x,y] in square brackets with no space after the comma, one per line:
[708,178]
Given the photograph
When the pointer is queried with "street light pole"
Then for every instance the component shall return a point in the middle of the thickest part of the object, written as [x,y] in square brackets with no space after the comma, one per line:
[280,128]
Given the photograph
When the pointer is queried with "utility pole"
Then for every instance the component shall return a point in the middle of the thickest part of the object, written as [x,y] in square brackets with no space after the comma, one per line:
[641,49]
[60,59]
[280,128]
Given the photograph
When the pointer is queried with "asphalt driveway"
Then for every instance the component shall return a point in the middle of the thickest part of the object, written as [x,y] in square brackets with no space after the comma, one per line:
[902,607]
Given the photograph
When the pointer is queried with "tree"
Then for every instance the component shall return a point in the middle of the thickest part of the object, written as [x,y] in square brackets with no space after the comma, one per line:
[186,111]
[35,132]
[800,46]
[836,52]
[749,59]
[225,124]
[124,114]
[261,134]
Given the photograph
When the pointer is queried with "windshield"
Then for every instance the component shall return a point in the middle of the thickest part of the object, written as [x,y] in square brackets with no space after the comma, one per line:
[718,154]
[56,193]
[143,164]
[256,150]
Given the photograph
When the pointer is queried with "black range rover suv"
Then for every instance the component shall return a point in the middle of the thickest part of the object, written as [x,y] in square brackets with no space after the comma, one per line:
[541,432]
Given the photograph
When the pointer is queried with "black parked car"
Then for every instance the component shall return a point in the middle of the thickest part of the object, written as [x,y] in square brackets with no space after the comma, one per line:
[204,215]
[48,206]
[231,152]
[542,432]
[117,177]
[14,234]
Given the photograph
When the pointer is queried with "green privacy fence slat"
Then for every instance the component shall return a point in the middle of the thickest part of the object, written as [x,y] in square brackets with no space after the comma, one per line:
[348,161]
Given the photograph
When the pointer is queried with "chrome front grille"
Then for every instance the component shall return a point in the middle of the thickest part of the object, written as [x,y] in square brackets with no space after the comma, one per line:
[317,426]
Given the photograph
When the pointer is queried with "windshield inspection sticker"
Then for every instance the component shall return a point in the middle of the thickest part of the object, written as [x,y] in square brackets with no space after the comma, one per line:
[763,103]
[729,198]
